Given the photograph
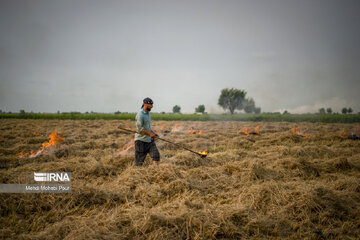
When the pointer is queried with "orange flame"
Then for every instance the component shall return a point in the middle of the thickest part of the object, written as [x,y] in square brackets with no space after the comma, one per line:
[354,135]
[23,155]
[297,131]
[125,151]
[204,153]
[350,134]
[246,131]
[255,131]
[46,147]
[193,131]
[342,134]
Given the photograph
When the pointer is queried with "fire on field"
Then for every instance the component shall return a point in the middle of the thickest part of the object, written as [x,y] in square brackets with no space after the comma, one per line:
[127,150]
[247,131]
[46,147]
[298,132]
[354,134]
[280,186]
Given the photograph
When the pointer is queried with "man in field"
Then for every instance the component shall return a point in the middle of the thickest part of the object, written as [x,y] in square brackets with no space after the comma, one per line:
[145,137]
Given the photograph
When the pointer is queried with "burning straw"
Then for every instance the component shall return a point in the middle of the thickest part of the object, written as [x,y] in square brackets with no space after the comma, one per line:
[46,147]
[246,131]
[193,131]
[347,135]
[298,132]
[126,151]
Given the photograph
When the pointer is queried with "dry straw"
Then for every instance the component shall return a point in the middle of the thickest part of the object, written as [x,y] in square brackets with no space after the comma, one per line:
[278,185]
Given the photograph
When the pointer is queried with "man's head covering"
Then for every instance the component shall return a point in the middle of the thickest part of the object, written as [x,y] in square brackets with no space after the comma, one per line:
[147,101]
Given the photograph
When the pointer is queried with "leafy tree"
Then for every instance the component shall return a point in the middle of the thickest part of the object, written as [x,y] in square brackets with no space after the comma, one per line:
[350,110]
[285,112]
[200,109]
[176,109]
[344,110]
[257,110]
[322,110]
[232,99]
[329,110]
[249,105]
[22,112]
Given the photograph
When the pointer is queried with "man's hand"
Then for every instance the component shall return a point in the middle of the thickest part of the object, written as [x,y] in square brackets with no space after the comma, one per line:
[150,134]
[153,135]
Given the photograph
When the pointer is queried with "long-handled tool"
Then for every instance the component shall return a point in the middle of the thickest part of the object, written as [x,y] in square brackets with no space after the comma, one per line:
[201,154]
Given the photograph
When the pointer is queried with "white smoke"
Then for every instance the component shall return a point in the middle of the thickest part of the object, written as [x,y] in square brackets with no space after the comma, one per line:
[336,104]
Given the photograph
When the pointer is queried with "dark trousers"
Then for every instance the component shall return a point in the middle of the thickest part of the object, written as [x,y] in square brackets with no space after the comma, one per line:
[142,149]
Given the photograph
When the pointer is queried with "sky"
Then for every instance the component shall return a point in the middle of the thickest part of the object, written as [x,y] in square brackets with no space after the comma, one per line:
[107,56]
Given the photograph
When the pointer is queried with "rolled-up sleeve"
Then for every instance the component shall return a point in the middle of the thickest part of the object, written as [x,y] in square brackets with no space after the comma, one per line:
[139,123]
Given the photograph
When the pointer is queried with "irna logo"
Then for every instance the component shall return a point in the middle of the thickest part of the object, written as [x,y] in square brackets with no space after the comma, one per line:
[52,177]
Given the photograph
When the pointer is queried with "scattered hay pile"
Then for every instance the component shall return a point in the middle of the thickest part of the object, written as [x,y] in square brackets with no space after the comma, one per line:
[278,185]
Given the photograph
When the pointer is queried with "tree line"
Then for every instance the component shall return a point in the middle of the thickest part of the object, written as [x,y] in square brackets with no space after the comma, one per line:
[330,111]
[230,99]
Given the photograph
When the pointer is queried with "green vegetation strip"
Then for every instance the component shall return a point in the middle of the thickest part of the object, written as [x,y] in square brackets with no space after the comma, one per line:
[326,118]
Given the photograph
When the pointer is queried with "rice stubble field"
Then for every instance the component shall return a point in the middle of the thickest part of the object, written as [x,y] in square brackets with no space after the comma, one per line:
[290,181]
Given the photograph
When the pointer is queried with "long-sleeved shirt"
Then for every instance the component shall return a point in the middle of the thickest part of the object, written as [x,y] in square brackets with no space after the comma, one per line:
[143,121]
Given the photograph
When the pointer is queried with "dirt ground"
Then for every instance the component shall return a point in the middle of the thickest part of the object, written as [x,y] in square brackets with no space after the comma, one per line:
[273,185]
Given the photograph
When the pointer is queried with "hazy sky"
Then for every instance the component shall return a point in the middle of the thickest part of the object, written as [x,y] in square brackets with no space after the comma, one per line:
[106,55]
